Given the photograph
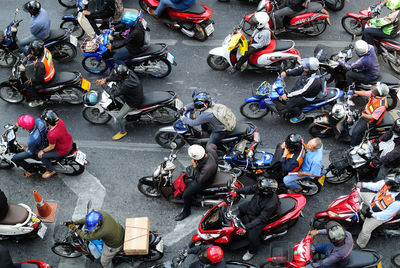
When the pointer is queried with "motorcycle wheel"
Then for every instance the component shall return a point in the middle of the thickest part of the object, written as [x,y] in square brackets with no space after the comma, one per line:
[164,139]
[310,187]
[318,131]
[217,63]
[337,176]
[65,250]
[4,164]
[164,115]
[75,29]
[148,190]
[92,65]
[352,26]
[143,5]
[10,94]
[7,59]
[252,110]
[392,99]
[153,255]
[225,166]
[73,168]
[74,95]
[396,260]
[339,5]
[68,3]
[93,115]
[165,68]
[63,52]
[395,67]
[318,26]
[200,33]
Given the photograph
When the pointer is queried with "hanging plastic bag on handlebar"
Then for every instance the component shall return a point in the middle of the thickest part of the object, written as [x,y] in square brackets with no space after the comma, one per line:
[179,185]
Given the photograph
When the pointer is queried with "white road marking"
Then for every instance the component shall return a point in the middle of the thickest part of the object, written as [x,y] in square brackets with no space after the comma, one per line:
[169,42]
[182,229]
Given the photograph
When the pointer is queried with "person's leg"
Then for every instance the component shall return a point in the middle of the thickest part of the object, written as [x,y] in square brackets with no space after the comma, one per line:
[290,181]
[294,105]
[371,33]
[32,89]
[254,239]
[25,42]
[19,160]
[92,21]
[358,131]
[121,55]
[354,77]
[107,255]
[162,5]
[280,14]
[369,225]
[188,195]
[322,248]
[121,121]
[216,137]
[383,171]
[47,157]
[246,57]
[366,197]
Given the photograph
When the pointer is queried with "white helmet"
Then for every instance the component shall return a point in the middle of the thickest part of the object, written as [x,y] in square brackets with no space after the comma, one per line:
[261,19]
[361,48]
[338,111]
[310,63]
[382,90]
[196,152]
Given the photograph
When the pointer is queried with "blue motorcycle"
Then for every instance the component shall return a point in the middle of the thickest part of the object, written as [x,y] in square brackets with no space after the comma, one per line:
[70,22]
[266,98]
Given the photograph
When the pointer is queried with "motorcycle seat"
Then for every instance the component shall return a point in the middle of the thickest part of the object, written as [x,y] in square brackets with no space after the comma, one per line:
[195,9]
[274,45]
[59,79]
[311,7]
[239,129]
[16,214]
[54,35]
[360,258]
[152,98]
[286,205]
[73,148]
[387,78]
[330,94]
[152,49]
[220,179]
[388,120]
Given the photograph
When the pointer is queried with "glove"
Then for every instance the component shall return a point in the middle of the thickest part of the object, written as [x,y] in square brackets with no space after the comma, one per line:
[232,193]
[359,185]
[368,214]
[240,231]
[375,163]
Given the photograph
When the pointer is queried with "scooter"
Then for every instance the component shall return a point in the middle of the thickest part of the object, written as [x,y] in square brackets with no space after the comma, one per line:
[335,5]
[396,259]
[303,254]
[161,184]
[68,3]
[73,164]
[65,87]
[280,54]
[194,22]
[266,98]
[71,22]
[5,258]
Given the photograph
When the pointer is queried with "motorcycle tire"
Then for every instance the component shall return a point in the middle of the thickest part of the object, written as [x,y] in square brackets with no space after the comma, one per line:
[143,5]
[310,187]
[4,164]
[146,187]
[65,250]
[10,94]
[320,24]
[75,28]
[153,255]
[254,111]
[200,33]
[317,131]
[68,3]
[217,63]
[74,169]
[392,99]
[337,176]
[164,139]
[75,91]
[7,59]
[339,5]
[395,67]
[396,259]
[63,52]
[89,112]
[164,115]
[352,26]
[99,67]
[167,68]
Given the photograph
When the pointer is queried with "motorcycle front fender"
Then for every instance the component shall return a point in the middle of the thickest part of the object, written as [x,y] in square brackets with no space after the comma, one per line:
[92,55]
[222,52]
[70,17]
[196,238]
[322,214]
[355,15]
[262,102]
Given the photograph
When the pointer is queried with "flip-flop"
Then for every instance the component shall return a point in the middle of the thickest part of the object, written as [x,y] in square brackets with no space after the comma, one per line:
[28,174]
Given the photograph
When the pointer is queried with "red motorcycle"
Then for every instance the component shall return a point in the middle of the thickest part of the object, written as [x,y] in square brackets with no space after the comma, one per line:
[33,264]
[194,22]
[354,24]
[219,225]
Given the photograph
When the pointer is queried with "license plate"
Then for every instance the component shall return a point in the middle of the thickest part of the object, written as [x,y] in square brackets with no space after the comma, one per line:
[178,104]
[85,84]
[379,265]
[209,29]
[42,231]
[160,246]
[73,40]
[80,158]
[328,21]
[170,58]
[321,180]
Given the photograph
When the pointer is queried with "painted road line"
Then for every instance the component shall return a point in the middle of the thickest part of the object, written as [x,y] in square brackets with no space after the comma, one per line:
[169,42]
[182,229]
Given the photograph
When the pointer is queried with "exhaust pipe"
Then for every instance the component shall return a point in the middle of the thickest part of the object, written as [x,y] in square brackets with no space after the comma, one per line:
[187,32]
[209,202]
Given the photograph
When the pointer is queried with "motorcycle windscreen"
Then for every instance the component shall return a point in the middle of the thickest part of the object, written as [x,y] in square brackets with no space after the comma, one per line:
[215,220]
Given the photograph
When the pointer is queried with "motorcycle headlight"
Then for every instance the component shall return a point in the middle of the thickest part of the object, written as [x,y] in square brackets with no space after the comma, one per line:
[207,236]
[157,171]
[169,166]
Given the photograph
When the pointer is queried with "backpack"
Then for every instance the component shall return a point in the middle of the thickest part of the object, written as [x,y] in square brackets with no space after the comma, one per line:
[119,10]
[224,115]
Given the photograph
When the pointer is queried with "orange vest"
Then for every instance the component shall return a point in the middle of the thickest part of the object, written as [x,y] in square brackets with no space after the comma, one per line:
[47,60]
[374,104]
[382,200]
[298,156]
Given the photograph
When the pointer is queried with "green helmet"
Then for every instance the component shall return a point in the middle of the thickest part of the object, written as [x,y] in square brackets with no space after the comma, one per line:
[393,4]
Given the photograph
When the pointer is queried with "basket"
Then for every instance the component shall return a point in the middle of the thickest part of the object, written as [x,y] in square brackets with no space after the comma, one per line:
[262,90]
[339,159]
[90,45]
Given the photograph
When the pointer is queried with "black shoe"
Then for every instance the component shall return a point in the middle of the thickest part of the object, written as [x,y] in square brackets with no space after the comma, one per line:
[182,215]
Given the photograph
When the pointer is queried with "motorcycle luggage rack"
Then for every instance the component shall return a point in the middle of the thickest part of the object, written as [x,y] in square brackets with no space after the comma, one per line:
[281,252]
[262,90]
[90,44]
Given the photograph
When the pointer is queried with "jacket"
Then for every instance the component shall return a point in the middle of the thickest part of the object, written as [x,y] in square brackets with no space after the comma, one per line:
[207,167]
[101,8]
[261,38]
[296,5]
[111,232]
[307,86]
[183,4]
[261,208]
[390,24]
[37,138]
[199,264]
[392,158]
[367,64]
[130,89]
[134,43]
[48,65]
[203,118]
[40,25]
[372,105]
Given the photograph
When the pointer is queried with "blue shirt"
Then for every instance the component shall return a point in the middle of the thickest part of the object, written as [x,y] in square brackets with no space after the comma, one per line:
[313,162]
[183,4]
[40,25]
[37,137]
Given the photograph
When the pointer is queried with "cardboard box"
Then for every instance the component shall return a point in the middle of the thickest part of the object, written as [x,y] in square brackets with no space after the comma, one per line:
[136,240]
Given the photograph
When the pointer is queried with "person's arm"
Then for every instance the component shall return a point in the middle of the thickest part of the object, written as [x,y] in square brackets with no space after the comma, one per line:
[35,28]
[388,213]
[80,221]
[381,22]
[205,175]
[362,93]
[265,215]
[311,83]
[315,171]
[89,235]
[202,118]
[373,186]
[40,73]
[391,156]
[295,71]
[376,114]
[246,190]
[196,250]
[358,65]
[264,38]
[189,107]
[46,150]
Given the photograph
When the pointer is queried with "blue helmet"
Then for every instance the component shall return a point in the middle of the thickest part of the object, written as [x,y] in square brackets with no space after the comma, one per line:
[92,220]
[130,18]
[90,98]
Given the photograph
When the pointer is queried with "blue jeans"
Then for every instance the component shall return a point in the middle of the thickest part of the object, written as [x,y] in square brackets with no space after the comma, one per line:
[371,33]
[289,181]
[121,55]
[19,160]
[324,249]
[47,157]
[162,5]
[216,137]
[25,42]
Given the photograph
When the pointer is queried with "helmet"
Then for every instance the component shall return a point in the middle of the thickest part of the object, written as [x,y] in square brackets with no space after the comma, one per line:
[90,98]
[130,18]
[213,254]
[261,19]
[26,121]
[196,152]
[310,63]
[336,233]
[201,101]
[396,127]
[50,117]
[381,89]
[267,186]
[294,141]
[361,47]
[121,70]
[37,48]
[338,111]
[92,220]
[32,7]
[393,4]
[393,181]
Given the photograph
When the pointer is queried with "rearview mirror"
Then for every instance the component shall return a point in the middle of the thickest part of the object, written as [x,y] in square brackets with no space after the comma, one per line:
[88,206]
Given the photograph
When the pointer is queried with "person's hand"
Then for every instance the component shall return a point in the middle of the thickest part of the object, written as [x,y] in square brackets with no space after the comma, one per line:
[108,46]
[194,163]
[285,152]
[25,148]
[301,173]
[359,185]
[240,231]
[284,97]
[29,81]
[375,163]
[283,145]
[86,12]
[313,233]
[100,82]
[233,193]
[40,154]
[283,74]
[16,125]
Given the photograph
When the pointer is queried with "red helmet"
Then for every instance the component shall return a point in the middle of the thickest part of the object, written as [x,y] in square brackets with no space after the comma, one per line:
[215,254]
[26,121]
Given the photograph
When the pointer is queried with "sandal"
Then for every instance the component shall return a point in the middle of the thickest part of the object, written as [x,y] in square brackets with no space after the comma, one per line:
[27,174]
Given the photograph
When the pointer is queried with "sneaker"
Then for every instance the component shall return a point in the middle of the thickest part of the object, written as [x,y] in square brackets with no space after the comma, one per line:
[232,70]
[247,256]
[119,135]
[35,103]
[182,215]
[299,119]
[28,174]
[48,174]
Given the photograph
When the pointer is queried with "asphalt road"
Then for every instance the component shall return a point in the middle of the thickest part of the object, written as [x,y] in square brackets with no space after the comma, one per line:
[115,167]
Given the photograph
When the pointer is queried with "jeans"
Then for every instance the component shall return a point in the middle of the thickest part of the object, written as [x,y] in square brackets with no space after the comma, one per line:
[354,77]
[19,160]
[121,117]
[324,249]
[253,234]
[47,157]
[280,15]
[358,131]
[162,5]
[124,54]
[294,105]
[32,90]
[216,137]
[371,33]
[107,255]
[289,181]
[189,193]
[24,42]
[383,171]
[246,56]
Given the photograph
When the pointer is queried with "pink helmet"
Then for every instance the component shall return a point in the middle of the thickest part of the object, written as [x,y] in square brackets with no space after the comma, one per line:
[26,121]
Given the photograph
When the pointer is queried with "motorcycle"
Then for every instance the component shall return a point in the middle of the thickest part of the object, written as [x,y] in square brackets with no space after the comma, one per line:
[65,87]
[71,23]
[355,24]
[60,43]
[303,254]
[396,259]
[194,22]
[68,3]
[280,54]
[266,98]
[158,106]
[73,164]
[219,225]
[162,184]
[156,60]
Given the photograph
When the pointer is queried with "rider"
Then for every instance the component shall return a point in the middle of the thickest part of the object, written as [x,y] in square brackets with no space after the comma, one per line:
[311,167]
[43,71]
[365,69]
[102,9]
[175,4]
[129,89]
[60,142]
[373,112]
[260,38]
[205,165]
[101,225]
[39,26]
[3,205]
[306,89]
[256,213]
[288,8]
[36,142]
[384,28]
[337,253]
[209,256]
[383,205]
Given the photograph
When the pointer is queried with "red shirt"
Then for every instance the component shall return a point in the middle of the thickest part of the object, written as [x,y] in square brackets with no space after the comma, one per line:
[60,137]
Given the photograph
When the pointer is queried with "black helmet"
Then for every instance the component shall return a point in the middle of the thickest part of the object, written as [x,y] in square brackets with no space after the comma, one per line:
[267,186]
[121,70]
[294,141]
[336,233]
[393,181]
[32,7]
[396,127]
[50,117]
[37,48]
[201,101]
